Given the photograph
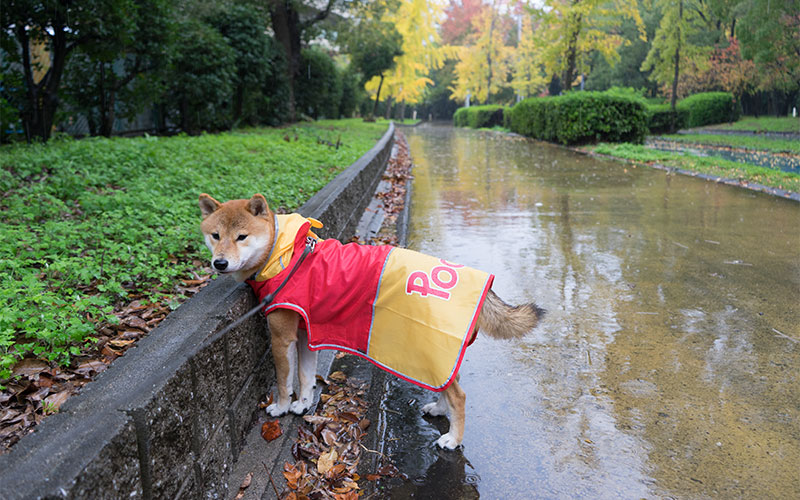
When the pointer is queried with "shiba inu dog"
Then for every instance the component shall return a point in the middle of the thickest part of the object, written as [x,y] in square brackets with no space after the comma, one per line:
[408,313]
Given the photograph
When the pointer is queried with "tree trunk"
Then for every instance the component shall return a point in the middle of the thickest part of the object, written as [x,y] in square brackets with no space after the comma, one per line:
[288,31]
[43,96]
[674,99]
[286,26]
[489,57]
[572,51]
[107,102]
[388,108]
[401,113]
[238,103]
[377,96]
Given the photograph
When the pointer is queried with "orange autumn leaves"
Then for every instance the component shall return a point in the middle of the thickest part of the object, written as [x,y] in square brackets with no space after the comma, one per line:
[328,449]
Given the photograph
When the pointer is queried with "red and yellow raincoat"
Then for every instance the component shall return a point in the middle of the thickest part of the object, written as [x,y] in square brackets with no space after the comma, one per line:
[408,313]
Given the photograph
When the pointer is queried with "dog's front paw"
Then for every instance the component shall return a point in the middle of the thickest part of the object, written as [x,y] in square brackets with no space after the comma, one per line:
[277,410]
[300,406]
[434,409]
[447,441]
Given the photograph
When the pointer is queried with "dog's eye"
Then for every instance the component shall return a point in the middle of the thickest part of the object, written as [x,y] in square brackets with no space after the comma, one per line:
[241,237]
[215,236]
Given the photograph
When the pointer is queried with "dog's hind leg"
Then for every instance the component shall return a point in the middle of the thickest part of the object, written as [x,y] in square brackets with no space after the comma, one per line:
[438,408]
[306,373]
[283,329]
[456,401]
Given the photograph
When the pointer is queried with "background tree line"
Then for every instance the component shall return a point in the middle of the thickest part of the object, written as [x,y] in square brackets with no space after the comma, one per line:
[194,65]
[190,65]
[668,48]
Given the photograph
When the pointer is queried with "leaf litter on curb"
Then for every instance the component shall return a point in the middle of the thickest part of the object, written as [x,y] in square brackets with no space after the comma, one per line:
[328,448]
[397,173]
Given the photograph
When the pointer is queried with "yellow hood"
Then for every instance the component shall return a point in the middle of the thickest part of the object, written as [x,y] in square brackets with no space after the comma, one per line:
[286,228]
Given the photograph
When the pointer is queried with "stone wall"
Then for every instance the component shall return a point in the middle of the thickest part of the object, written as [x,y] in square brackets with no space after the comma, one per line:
[167,419]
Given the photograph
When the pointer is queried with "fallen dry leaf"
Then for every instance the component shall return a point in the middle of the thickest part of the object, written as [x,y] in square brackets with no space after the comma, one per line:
[29,367]
[93,365]
[135,322]
[317,419]
[326,461]
[119,343]
[271,430]
[245,484]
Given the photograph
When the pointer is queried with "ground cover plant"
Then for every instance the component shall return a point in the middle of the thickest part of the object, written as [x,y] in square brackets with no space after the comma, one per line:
[762,124]
[742,172]
[759,143]
[90,225]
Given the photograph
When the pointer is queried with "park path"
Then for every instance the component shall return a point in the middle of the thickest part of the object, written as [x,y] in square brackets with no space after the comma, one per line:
[666,366]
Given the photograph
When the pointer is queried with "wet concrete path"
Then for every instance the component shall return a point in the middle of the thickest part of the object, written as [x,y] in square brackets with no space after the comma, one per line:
[668,364]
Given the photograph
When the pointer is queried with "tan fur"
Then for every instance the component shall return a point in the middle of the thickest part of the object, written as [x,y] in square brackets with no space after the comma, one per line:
[230,221]
[502,321]
[283,330]
[253,218]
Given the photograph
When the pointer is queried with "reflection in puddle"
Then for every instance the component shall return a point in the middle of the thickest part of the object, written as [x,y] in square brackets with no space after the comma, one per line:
[657,372]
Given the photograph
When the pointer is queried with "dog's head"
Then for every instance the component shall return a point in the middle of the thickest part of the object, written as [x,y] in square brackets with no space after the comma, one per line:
[239,233]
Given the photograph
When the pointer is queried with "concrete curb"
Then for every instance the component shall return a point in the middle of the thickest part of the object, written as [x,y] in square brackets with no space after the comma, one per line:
[167,420]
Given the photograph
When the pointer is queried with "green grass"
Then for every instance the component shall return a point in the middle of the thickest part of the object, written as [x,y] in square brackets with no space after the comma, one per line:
[762,124]
[496,128]
[87,224]
[761,143]
[707,165]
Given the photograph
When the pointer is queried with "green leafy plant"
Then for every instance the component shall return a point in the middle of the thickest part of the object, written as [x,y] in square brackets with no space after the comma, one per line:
[87,223]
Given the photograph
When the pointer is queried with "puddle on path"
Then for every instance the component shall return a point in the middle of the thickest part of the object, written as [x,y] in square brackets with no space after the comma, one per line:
[667,366]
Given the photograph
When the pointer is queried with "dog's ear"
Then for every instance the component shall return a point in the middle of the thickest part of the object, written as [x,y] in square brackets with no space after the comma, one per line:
[208,205]
[258,205]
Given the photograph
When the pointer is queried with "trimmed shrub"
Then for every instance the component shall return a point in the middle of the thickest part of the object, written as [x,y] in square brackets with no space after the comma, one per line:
[709,108]
[246,35]
[507,118]
[274,104]
[581,117]
[659,118]
[202,79]
[318,85]
[529,117]
[352,93]
[487,116]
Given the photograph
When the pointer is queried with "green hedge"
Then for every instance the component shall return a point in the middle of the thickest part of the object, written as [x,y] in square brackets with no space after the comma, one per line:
[487,116]
[318,85]
[709,108]
[659,118]
[580,117]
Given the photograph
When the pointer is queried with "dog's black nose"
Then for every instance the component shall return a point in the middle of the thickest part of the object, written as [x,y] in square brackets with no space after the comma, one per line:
[220,264]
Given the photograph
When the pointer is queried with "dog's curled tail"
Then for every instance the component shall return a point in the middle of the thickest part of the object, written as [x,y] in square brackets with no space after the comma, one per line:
[502,321]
